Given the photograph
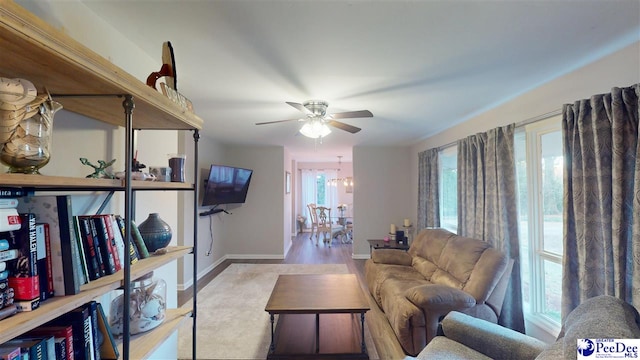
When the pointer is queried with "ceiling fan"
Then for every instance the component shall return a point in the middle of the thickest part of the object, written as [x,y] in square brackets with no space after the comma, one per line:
[317,121]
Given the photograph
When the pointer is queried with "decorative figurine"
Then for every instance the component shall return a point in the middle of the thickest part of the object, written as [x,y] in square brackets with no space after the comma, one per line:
[99,170]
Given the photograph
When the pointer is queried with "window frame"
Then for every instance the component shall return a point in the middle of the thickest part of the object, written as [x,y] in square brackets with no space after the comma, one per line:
[537,255]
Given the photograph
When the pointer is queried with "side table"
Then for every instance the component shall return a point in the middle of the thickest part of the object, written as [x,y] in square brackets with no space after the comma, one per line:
[381,244]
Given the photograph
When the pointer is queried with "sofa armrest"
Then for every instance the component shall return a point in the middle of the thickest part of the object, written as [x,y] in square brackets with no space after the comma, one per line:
[493,340]
[391,257]
[439,298]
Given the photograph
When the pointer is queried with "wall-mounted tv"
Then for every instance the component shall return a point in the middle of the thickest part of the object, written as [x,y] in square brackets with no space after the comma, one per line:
[226,185]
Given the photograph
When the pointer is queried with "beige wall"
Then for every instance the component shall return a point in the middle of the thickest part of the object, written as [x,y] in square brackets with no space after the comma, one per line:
[256,230]
[382,194]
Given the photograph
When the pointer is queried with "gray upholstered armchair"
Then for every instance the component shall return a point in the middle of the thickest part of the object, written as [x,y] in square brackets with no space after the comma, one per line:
[467,337]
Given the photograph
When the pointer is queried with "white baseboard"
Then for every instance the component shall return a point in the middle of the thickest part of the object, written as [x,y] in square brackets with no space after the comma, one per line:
[201,274]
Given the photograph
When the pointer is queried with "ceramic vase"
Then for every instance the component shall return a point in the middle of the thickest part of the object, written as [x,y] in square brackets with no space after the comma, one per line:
[155,232]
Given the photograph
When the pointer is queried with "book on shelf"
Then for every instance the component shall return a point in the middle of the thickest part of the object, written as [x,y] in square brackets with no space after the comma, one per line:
[36,349]
[109,347]
[12,192]
[143,253]
[112,240]
[3,265]
[48,344]
[7,255]
[8,203]
[24,273]
[4,275]
[80,321]
[6,294]
[134,255]
[63,331]
[96,335]
[118,239]
[93,259]
[55,211]
[80,243]
[45,275]
[4,244]
[104,243]
[8,310]
[27,305]
[9,220]
[61,348]
[9,352]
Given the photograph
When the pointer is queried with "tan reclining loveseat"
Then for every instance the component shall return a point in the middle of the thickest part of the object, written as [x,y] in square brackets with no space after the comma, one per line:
[441,272]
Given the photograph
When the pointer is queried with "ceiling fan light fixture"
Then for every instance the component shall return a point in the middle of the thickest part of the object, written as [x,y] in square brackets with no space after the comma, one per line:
[315,129]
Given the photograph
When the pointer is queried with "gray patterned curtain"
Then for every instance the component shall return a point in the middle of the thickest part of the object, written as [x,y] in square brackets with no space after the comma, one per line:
[601,198]
[487,205]
[428,200]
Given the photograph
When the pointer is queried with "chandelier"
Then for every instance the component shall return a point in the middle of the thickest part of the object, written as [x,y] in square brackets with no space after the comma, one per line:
[346,181]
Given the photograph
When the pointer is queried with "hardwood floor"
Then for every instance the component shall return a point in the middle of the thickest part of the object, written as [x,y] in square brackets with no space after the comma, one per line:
[304,251]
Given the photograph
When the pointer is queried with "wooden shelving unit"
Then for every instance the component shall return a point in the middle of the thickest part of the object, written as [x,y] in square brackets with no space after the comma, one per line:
[55,182]
[52,308]
[144,344]
[87,84]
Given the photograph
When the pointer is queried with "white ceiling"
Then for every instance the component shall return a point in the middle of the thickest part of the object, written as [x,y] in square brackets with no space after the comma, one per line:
[419,66]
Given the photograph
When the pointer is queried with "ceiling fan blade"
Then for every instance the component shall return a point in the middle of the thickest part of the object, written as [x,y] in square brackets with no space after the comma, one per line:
[299,107]
[277,121]
[352,114]
[342,126]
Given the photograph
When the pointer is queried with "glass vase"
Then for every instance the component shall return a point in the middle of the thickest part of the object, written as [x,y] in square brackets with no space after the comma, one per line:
[147,306]
[28,147]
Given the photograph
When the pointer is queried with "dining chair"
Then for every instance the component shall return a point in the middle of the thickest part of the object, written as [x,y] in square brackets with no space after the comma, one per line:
[314,220]
[325,225]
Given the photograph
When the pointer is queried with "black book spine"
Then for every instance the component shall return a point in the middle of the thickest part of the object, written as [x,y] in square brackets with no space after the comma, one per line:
[9,192]
[71,266]
[90,251]
[103,240]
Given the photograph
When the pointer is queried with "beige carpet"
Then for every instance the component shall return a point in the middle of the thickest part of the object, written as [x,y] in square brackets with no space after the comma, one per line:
[232,323]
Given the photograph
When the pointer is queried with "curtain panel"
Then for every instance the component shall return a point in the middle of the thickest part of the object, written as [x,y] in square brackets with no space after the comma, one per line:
[601,198]
[487,205]
[428,186]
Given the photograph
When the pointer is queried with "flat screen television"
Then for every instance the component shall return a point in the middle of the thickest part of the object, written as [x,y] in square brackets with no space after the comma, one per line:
[226,185]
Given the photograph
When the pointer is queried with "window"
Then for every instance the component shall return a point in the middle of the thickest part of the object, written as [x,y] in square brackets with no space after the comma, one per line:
[538,151]
[448,172]
[321,183]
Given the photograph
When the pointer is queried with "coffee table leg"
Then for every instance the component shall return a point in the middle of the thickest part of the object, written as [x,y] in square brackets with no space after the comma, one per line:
[317,333]
[272,347]
[364,348]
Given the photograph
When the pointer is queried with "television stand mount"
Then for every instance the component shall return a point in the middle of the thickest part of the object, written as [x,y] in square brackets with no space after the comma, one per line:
[213,211]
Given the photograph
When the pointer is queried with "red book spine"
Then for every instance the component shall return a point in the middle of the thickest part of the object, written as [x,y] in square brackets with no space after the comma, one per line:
[24,273]
[112,241]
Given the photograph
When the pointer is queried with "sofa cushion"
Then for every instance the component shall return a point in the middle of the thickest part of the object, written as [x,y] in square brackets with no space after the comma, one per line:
[457,261]
[602,317]
[378,274]
[439,297]
[483,279]
[391,256]
[427,247]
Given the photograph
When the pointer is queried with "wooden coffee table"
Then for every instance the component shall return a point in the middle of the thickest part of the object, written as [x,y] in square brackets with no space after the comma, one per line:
[301,333]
